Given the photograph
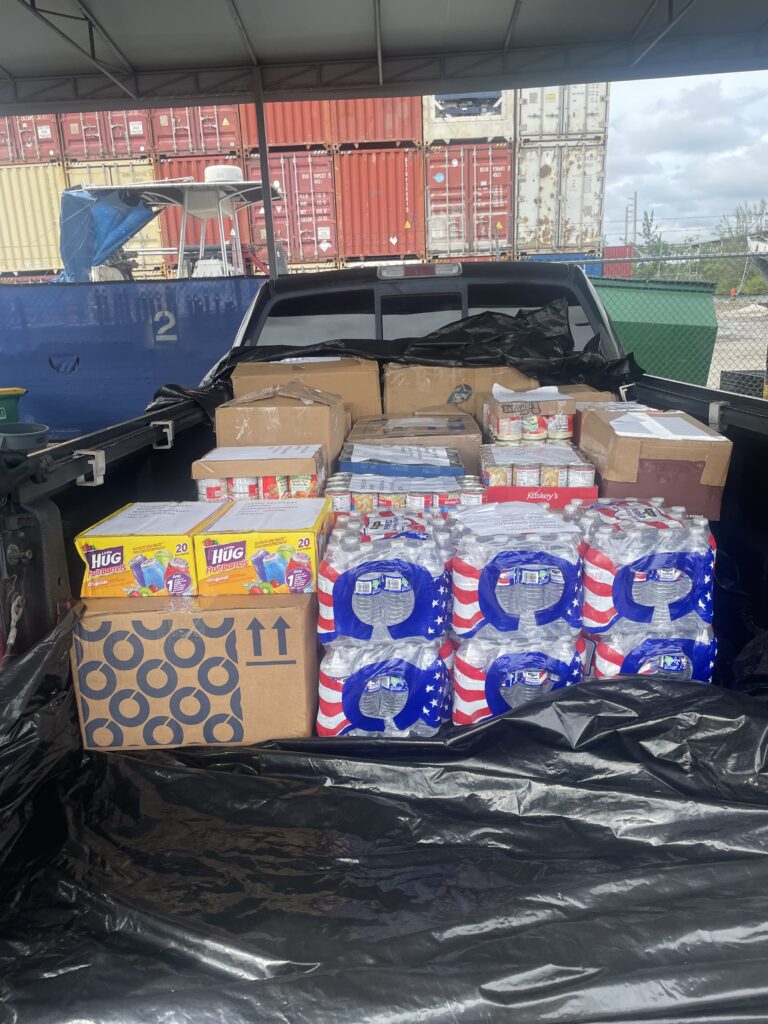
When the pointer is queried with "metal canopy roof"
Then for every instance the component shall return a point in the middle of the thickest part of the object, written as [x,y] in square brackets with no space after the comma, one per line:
[85,54]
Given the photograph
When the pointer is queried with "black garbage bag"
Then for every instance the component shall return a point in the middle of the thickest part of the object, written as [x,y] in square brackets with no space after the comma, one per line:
[599,856]
[537,342]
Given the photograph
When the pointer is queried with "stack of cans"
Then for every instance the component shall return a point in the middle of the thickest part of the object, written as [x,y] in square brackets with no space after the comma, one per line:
[245,488]
[368,493]
[535,465]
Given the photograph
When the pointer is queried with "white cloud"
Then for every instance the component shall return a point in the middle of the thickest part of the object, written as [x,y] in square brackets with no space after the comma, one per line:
[692,149]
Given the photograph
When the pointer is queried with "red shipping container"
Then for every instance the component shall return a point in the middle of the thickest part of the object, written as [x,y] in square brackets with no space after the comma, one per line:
[37,138]
[7,141]
[170,219]
[616,252]
[83,136]
[305,222]
[127,133]
[209,129]
[288,124]
[380,203]
[218,128]
[469,199]
[383,119]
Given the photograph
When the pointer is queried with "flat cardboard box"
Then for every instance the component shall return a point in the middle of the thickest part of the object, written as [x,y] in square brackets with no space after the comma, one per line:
[355,379]
[211,671]
[284,414]
[434,429]
[261,460]
[143,549]
[410,388]
[269,547]
[689,470]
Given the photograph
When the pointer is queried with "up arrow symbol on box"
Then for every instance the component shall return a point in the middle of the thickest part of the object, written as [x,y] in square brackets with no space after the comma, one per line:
[281,627]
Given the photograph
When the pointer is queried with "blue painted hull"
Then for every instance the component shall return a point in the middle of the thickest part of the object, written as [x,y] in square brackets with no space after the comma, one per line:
[94,354]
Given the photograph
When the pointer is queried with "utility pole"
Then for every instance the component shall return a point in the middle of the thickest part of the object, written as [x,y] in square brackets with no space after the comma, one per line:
[634,219]
[626,224]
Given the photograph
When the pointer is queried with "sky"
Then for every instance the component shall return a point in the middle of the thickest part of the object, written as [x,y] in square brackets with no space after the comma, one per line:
[692,149]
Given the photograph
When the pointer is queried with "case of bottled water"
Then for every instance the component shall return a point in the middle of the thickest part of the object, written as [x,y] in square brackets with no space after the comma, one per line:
[645,564]
[688,653]
[494,672]
[369,688]
[385,577]
[516,567]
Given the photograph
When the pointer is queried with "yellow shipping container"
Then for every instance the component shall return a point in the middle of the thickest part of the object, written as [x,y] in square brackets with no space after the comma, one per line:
[29,216]
[124,172]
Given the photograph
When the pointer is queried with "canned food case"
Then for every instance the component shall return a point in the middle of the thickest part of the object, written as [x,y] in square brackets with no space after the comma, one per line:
[539,415]
[260,472]
[370,493]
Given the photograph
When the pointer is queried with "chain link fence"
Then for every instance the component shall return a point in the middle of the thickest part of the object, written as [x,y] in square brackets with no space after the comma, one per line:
[699,318]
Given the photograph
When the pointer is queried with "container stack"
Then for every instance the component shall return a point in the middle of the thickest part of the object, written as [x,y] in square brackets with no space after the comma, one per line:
[474,176]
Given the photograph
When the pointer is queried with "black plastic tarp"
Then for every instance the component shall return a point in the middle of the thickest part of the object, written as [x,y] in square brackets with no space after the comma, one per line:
[597,857]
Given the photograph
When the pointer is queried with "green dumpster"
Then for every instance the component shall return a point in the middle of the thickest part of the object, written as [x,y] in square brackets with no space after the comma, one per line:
[669,325]
[9,404]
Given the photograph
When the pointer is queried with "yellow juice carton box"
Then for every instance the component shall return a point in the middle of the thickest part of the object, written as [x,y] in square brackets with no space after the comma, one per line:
[263,547]
[144,549]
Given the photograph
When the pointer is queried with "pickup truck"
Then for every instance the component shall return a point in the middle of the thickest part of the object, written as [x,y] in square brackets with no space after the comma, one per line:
[48,497]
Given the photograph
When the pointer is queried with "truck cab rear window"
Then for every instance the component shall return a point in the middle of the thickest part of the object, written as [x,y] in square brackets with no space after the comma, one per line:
[309,319]
[413,316]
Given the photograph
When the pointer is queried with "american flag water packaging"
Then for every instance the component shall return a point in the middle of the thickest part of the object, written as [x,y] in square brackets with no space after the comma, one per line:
[517,594]
[648,590]
[384,607]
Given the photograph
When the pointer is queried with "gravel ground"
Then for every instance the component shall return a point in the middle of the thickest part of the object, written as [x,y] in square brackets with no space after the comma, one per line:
[742,336]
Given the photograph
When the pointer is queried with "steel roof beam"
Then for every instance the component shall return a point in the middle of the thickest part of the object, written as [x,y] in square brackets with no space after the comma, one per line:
[76,46]
[379,55]
[672,20]
[243,31]
[86,13]
[516,8]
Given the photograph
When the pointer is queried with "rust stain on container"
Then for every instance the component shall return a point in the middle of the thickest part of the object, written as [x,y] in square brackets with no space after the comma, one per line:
[469,199]
[380,203]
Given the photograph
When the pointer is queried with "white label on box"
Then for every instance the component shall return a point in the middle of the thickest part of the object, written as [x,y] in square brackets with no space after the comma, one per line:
[369,483]
[546,394]
[660,428]
[150,517]
[262,451]
[135,128]
[401,454]
[512,517]
[269,516]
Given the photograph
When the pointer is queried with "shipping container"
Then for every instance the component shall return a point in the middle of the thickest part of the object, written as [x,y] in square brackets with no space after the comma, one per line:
[469,199]
[557,111]
[589,262]
[619,252]
[305,220]
[37,138]
[193,167]
[380,203]
[196,130]
[482,116]
[559,197]
[8,153]
[307,123]
[125,172]
[127,133]
[100,135]
[382,119]
[30,199]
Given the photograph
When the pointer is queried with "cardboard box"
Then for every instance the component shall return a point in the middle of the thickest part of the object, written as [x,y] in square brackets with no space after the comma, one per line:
[284,414]
[503,409]
[299,469]
[269,547]
[411,388]
[355,379]
[454,430]
[144,549]
[670,455]
[172,673]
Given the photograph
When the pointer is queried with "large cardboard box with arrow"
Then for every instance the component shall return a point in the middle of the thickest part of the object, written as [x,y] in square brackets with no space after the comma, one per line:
[172,672]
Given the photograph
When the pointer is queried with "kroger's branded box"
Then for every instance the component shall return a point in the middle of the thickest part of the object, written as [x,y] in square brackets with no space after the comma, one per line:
[206,670]
[144,549]
[267,547]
